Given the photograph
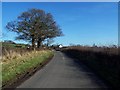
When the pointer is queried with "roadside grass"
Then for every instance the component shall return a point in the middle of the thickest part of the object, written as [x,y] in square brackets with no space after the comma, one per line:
[12,69]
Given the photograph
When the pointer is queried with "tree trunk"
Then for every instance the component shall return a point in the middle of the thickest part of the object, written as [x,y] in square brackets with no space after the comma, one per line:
[33,42]
[39,43]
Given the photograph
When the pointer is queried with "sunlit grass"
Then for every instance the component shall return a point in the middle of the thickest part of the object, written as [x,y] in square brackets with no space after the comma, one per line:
[13,67]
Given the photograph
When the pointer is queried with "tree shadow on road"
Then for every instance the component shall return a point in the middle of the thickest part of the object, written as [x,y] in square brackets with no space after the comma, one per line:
[85,70]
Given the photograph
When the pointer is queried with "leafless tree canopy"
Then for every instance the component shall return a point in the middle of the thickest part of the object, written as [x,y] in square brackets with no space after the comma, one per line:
[35,25]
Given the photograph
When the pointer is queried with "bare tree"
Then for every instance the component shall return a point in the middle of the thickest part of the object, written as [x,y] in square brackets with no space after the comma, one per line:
[35,26]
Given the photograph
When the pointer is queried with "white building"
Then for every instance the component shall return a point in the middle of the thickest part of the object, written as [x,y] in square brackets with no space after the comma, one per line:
[60,46]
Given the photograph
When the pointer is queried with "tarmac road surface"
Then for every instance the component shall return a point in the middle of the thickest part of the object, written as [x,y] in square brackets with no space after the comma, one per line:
[63,72]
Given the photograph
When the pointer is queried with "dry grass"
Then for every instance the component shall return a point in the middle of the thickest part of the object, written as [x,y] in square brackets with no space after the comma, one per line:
[13,53]
[16,62]
[108,50]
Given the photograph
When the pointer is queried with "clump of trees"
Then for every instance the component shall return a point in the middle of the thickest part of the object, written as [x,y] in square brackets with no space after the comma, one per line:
[36,26]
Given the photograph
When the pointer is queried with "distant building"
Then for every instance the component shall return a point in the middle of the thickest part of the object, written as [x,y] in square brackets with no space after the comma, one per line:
[60,46]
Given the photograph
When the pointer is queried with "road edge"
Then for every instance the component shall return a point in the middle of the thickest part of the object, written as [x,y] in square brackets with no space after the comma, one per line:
[27,75]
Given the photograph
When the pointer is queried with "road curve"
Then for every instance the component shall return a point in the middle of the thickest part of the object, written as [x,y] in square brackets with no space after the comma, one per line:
[63,72]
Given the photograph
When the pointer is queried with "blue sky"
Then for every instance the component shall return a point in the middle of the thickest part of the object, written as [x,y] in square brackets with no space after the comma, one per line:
[82,23]
[61,0]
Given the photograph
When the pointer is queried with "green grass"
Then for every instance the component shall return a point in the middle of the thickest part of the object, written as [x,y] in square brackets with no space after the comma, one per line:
[8,45]
[12,45]
[13,68]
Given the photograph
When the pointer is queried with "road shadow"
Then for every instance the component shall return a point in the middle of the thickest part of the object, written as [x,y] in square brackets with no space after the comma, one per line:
[88,72]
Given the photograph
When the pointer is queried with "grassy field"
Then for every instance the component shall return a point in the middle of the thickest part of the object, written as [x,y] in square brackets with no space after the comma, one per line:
[10,45]
[15,64]
[104,61]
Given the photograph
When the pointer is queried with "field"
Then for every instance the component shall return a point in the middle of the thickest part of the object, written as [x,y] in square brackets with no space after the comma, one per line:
[104,61]
[12,45]
[16,62]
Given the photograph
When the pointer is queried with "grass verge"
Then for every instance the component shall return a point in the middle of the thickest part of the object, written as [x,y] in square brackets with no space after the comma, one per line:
[13,69]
